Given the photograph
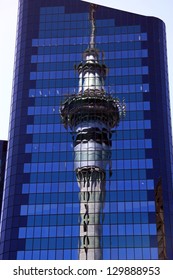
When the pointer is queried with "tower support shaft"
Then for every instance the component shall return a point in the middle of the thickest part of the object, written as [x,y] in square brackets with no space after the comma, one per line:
[92,189]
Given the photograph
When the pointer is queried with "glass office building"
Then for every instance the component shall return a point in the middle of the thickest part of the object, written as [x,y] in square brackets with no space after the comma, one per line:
[3,153]
[41,207]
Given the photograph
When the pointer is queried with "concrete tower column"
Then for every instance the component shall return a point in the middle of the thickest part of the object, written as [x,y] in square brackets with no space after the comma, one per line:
[92,188]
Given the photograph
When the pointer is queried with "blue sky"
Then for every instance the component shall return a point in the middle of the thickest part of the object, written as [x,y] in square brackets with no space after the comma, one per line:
[8,22]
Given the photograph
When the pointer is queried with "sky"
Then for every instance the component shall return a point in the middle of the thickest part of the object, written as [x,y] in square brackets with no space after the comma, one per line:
[8,22]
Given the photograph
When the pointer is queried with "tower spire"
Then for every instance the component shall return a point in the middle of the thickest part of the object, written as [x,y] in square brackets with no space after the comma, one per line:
[93,8]
[91,72]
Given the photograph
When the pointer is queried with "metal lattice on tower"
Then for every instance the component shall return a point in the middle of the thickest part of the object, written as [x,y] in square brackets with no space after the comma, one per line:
[91,114]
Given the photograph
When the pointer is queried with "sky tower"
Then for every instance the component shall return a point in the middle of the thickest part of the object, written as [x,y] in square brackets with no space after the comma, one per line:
[91,114]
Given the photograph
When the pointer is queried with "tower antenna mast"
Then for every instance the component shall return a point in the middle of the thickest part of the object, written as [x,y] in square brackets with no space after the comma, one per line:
[93,8]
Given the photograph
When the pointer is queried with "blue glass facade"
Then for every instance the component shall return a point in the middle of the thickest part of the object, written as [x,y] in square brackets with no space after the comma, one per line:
[3,153]
[40,217]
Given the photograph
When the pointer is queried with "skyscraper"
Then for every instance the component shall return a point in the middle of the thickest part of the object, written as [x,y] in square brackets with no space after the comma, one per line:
[41,217]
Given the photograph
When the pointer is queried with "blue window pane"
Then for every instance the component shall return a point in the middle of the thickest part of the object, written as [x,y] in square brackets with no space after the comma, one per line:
[20,255]
[36,255]
[114,254]
[51,255]
[59,254]
[122,254]
[22,232]
[154,253]
[28,255]
[37,244]
[146,253]
[106,254]
[67,254]
[121,229]
[44,255]
[138,253]
[130,254]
